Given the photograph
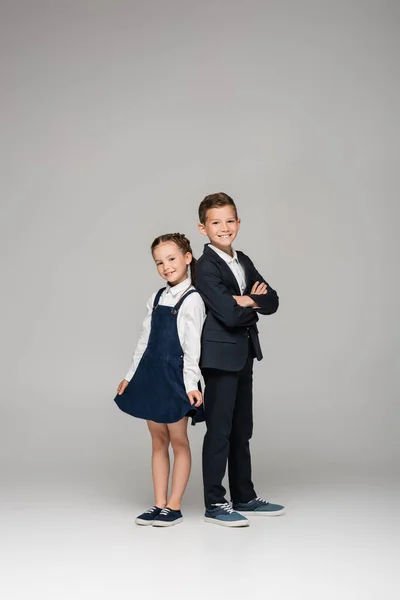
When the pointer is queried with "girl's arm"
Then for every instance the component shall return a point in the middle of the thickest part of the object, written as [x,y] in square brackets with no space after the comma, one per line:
[143,340]
[190,324]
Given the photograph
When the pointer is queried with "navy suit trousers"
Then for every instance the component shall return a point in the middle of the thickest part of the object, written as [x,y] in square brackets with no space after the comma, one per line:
[228,403]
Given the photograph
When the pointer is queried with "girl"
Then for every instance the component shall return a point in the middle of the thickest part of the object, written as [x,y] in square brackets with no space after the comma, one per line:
[162,384]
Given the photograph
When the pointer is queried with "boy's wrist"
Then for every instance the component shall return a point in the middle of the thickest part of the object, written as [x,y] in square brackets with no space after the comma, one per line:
[251,303]
[245,301]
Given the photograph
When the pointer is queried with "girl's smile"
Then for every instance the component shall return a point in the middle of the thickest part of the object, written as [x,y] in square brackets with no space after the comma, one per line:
[171,262]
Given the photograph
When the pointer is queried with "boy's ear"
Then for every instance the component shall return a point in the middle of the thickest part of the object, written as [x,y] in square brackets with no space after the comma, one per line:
[202,229]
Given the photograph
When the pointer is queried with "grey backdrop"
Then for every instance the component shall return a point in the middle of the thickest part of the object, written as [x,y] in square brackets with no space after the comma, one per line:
[116,119]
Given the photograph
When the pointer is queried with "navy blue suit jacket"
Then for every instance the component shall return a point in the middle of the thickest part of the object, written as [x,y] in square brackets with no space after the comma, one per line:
[225,337]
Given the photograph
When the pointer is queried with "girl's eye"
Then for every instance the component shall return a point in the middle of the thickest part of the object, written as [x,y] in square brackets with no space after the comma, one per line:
[171,259]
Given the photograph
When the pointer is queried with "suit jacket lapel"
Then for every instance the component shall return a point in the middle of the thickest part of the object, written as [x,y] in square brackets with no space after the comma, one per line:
[226,268]
[246,268]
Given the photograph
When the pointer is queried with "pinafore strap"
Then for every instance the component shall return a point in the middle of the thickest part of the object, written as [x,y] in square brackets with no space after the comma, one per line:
[157,298]
[179,304]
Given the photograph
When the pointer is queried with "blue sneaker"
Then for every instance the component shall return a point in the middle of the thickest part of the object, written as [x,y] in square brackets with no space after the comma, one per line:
[148,517]
[259,507]
[168,517]
[223,514]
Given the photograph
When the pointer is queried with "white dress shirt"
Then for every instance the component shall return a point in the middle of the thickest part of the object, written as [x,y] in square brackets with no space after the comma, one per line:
[190,320]
[234,265]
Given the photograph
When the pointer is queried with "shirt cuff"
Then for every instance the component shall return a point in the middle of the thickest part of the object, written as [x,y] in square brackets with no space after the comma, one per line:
[129,374]
[191,386]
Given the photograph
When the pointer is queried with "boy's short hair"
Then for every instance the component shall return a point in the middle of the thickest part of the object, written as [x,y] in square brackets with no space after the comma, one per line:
[215,201]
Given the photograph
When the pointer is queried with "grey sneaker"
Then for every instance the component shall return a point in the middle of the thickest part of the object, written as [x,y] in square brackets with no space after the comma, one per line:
[259,507]
[223,514]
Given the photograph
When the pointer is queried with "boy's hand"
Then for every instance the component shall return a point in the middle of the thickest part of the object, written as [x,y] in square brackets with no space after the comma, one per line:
[122,387]
[259,288]
[245,301]
[195,398]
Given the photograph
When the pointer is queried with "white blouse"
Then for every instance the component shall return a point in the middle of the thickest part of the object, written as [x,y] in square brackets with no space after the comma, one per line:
[190,320]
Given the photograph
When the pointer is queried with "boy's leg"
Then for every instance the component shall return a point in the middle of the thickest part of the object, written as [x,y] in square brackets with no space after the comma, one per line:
[219,404]
[240,483]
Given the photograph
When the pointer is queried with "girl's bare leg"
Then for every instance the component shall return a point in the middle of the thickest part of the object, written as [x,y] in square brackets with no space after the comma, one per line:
[160,461]
[182,462]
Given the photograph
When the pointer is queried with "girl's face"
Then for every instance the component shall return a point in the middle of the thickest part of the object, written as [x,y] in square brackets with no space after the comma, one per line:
[171,262]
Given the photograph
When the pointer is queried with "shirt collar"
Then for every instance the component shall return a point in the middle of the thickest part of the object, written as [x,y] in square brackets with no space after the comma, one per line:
[177,289]
[228,259]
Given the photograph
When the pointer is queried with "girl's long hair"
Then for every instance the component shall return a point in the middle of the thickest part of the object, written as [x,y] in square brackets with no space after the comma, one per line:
[183,244]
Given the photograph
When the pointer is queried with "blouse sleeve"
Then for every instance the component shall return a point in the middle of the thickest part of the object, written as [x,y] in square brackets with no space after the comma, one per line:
[143,340]
[190,324]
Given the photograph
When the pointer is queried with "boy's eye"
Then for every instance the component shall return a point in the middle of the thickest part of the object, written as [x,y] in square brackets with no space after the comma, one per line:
[171,259]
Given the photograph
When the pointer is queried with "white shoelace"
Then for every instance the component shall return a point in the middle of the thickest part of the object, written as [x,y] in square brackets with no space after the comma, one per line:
[261,500]
[151,510]
[165,511]
[227,507]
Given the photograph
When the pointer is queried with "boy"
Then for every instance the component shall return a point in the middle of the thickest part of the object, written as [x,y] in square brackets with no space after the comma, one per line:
[234,293]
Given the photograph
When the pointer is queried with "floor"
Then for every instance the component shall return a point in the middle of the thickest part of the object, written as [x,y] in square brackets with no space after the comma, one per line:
[79,540]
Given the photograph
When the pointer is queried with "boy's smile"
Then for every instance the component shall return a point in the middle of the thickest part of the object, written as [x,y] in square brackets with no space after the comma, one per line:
[221,227]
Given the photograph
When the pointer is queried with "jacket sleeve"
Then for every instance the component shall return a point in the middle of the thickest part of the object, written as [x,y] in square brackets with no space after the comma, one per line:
[219,300]
[268,302]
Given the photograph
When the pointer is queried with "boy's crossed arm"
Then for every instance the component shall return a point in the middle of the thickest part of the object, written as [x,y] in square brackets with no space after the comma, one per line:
[236,311]
[267,301]
[220,301]
[258,289]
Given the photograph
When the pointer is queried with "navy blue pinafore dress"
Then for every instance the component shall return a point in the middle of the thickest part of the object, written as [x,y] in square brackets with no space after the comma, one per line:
[157,391]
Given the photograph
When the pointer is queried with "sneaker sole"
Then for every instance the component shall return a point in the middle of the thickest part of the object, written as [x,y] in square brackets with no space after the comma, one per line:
[166,523]
[143,522]
[227,523]
[261,513]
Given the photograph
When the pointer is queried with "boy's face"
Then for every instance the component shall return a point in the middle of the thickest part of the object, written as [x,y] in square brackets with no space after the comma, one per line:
[171,263]
[221,227]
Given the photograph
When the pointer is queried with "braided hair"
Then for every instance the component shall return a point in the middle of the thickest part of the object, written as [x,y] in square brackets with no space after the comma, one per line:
[183,244]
